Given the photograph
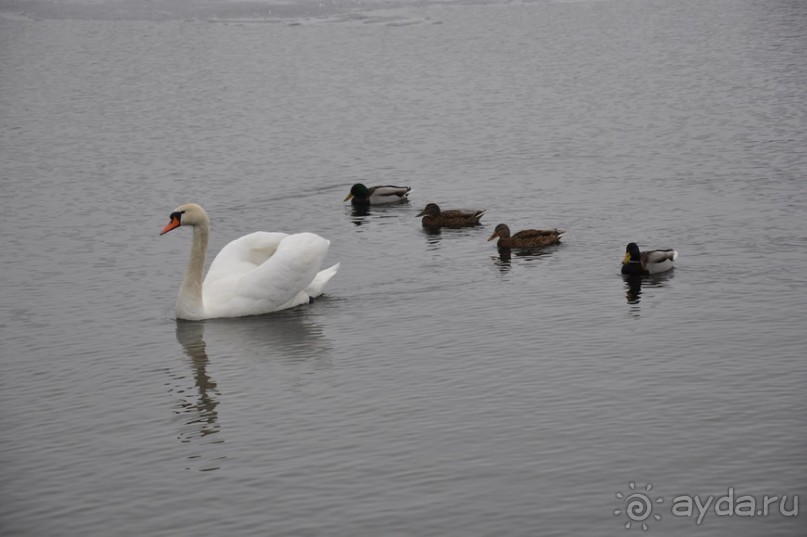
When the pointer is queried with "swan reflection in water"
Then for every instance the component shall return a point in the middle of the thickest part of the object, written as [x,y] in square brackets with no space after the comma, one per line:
[197,406]
[288,338]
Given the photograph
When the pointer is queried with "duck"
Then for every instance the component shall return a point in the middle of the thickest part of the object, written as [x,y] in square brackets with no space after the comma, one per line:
[637,263]
[258,273]
[433,217]
[361,196]
[528,238]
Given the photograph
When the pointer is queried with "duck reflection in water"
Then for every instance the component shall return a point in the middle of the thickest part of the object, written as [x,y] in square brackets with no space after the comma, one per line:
[633,290]
[503,260]
[436,232]
[435,235]
[432,231]
[634,283]
[363,214]
[359,214]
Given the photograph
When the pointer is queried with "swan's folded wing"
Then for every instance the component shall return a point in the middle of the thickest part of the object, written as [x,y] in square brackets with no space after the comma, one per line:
[290,270]
[243,255]
[315,288]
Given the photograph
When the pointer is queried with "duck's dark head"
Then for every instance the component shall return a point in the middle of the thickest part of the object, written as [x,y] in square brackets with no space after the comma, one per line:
[501,231]
[358,192]
[432,209]
[632,254]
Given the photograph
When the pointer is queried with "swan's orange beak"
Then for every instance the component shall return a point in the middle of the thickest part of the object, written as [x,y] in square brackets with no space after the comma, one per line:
[174,223]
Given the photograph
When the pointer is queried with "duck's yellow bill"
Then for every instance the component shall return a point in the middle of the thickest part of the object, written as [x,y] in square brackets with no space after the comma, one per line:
[626,259]
[348,196]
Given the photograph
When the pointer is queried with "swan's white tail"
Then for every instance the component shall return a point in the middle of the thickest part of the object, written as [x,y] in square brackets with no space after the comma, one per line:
[316,286]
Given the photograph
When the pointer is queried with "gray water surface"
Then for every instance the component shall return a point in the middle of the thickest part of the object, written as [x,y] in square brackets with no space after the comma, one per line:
[437,388]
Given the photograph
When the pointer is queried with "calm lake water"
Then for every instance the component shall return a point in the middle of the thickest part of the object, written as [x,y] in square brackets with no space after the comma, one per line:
[437,389]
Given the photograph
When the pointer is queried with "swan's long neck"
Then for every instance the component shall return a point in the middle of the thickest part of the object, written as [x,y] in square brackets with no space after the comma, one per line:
[190,304]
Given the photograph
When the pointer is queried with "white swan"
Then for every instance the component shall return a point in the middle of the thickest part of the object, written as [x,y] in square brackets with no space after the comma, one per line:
[257,273]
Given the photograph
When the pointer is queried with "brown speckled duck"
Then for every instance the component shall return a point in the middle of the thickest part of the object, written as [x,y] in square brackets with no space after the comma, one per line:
[433,217]
[529,238]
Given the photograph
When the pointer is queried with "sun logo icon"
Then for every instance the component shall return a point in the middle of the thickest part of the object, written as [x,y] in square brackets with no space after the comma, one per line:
[638,506]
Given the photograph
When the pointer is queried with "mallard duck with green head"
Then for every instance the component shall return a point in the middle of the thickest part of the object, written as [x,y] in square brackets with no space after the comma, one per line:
[528,238]
[638,263]
[361,196]
[433,217]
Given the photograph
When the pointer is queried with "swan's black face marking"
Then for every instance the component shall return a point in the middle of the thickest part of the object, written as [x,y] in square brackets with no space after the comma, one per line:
[175,222]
